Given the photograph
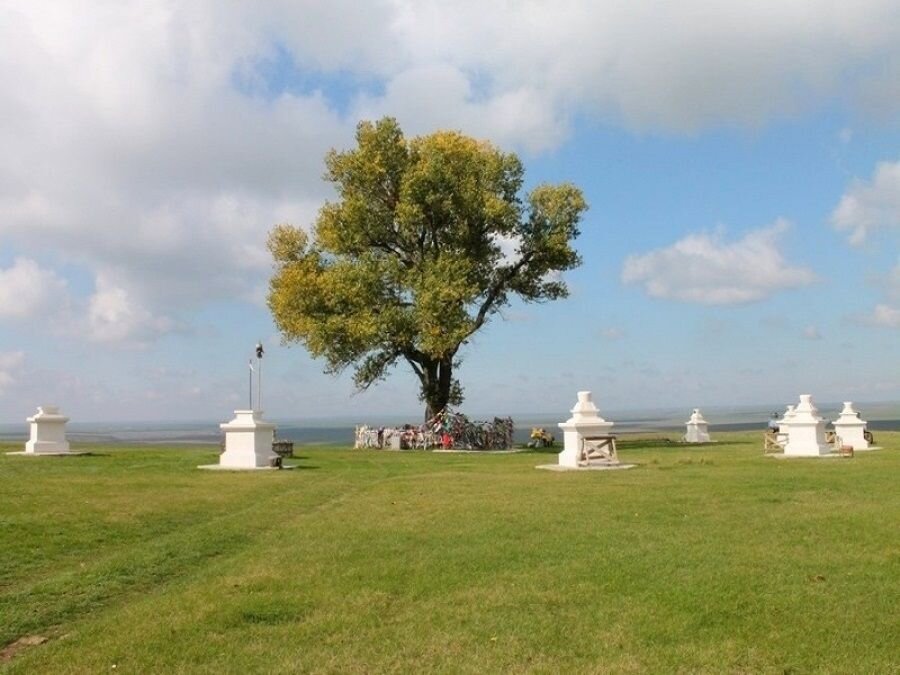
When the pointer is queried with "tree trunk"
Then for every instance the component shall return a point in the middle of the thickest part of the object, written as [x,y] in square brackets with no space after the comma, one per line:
[437,379]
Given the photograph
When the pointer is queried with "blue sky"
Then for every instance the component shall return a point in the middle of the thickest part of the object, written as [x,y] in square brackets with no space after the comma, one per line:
[743,174]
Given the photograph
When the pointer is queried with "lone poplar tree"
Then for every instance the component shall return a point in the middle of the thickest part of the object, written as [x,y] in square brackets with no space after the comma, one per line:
[428,239]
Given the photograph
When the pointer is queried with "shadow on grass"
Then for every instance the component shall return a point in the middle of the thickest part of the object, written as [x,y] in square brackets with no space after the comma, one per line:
[553,450]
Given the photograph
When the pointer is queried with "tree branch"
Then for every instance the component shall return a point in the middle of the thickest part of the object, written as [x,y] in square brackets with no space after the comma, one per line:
[496,289]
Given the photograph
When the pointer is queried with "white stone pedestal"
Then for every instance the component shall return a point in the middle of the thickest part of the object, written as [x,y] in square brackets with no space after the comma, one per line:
[849,428]
[784,426]
[584,423]
[248,443]
[806,437]
[697,428]
[48,432]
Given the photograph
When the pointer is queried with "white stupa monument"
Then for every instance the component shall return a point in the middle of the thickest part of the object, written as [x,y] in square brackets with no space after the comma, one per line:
[248,442]
[248,437]
[697,428]
[784,426]
[850,428]
[47,432]
[806,435]
[587,441]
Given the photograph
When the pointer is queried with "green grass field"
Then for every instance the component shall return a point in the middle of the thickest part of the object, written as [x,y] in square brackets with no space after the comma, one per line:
[702,559]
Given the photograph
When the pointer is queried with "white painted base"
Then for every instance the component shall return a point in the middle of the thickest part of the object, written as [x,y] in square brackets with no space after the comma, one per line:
[696,434]
[47,432]
[248,441]
[47,447]
[219,467]
[590,467]
[852,435]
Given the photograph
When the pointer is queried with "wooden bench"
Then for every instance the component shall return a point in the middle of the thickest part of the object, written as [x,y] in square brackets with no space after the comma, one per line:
[771,443]
[601,448]
[283,448]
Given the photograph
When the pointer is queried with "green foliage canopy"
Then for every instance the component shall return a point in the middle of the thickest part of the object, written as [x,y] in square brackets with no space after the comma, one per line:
[428,239]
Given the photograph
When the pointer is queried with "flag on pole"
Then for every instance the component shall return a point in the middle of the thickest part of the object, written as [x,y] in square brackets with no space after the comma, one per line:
[259,350]
[252,369]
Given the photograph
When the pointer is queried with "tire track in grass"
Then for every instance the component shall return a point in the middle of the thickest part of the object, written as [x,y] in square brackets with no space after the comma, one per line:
[46,604]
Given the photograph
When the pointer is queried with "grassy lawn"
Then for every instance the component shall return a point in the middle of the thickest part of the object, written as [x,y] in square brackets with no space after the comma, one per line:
[702,559]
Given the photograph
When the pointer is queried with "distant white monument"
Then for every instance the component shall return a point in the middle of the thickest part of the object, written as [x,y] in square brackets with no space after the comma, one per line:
[806,435]
[850,429]
[586,435]
[248,442]
[697,428]
[784,426]
[48,432]
[248,437]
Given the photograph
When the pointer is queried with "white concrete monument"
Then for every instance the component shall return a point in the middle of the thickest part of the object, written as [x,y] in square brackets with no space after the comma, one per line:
[784,426]
[850,428]
[48,432]
[697,428]
[248,442]
[806,437]
[584,423]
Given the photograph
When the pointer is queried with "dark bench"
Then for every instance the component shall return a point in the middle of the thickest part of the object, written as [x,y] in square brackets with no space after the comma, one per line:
[283,448]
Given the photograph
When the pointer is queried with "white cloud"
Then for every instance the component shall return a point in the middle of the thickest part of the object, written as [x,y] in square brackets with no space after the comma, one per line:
[702,268]
[28,290]
[113,315]
[673,66]
[886,316]
[870,205]
[443,96]
[10,364]
[509,248]
[147,141]
[30,293]
[811,333]
[612,333]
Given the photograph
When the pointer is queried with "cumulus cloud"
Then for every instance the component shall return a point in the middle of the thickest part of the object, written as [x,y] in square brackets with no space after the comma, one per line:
[113,315]
[870,205]
[10,363]
[672,66]
[28,290]
[705,269]
[153,143]
[444,96]
[886,316]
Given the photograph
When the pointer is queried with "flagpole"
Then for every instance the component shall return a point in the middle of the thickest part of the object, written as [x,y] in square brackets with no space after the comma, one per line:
[259,357]
[250,363]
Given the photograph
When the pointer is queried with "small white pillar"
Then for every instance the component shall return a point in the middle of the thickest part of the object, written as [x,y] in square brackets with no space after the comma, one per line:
[806,437]
[585,422]
[697,428]
[248,441]
[48,432]
[850,428]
